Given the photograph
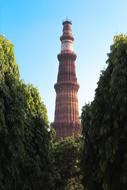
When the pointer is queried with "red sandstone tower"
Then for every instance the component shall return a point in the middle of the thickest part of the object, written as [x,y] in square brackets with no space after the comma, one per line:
[66,122]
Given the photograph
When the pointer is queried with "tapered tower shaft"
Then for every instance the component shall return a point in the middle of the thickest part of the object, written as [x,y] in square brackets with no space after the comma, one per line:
[66,121]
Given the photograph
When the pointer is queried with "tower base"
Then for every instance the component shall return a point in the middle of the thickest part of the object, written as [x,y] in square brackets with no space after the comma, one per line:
[67,129]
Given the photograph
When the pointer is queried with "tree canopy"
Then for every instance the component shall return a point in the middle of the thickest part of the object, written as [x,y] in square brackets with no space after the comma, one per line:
[67,157]
[25,146]
[105,147]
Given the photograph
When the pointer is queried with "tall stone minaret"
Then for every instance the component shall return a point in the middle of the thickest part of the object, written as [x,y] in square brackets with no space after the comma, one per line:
[66,121]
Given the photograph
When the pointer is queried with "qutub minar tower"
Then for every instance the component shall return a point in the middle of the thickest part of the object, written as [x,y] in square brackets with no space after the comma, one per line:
[66,121]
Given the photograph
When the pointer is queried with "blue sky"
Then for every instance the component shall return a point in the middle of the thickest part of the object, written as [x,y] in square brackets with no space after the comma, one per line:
[34,27]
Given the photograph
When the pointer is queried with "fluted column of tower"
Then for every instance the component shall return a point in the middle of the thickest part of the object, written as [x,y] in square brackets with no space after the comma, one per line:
[66,121]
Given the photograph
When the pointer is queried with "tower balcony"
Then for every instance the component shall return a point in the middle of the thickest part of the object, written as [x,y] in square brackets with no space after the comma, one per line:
[65,55]
[66,84]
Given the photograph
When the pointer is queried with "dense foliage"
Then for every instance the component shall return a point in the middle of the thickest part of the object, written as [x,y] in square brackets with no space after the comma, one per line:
[86,119]
[25,146]
[67,155]
[105,147]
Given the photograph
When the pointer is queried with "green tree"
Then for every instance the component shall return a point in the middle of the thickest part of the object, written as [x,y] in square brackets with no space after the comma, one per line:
[38,168]
[11,119]
[25,143]
[105,148]
[67,154]
[86,116]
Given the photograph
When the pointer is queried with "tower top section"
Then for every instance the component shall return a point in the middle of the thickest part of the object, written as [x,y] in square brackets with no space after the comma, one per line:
[67,37]
[67,21]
